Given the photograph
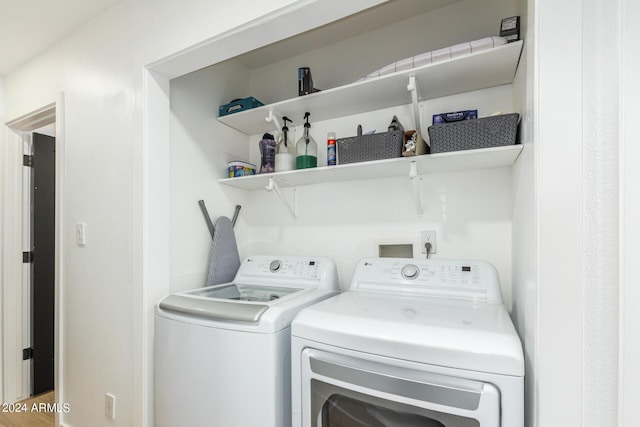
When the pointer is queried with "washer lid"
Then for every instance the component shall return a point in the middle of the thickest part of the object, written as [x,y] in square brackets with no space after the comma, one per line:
[213,309]
[461,334]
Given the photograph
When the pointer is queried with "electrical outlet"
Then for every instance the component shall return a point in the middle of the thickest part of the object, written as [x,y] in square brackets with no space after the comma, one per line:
[428,236]
[110,406]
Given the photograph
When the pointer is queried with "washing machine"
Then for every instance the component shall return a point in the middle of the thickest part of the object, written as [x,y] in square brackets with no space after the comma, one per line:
[413,342]
[222,353]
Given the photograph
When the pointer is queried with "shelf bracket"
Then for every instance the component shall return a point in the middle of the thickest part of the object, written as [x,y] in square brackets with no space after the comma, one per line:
[415,98]
[416,178]
[273,118]
[273,185]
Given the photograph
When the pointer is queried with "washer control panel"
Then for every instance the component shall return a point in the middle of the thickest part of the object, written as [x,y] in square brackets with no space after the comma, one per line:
[310,272]
[308,268]
[467,279]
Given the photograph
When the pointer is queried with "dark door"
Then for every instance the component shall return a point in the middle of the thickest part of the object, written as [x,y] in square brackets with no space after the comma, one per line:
[43,289]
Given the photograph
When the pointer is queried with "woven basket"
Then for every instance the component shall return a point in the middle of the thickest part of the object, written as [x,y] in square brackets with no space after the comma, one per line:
[494,131]
[363,148]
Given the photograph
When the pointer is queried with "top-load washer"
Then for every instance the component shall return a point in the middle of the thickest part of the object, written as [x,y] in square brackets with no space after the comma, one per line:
[411,343]
[222,353]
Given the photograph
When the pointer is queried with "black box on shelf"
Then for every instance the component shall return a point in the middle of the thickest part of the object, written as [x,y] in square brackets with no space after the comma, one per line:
[510,29]
[305,82]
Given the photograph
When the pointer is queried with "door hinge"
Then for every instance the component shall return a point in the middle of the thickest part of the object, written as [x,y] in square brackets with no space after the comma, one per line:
[27,353]
[27,257]
[27,160]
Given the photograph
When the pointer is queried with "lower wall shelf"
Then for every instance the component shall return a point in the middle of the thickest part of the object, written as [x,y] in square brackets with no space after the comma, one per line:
[441,162]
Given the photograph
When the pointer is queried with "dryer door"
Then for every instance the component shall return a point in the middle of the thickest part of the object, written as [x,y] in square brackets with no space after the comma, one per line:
[343,391]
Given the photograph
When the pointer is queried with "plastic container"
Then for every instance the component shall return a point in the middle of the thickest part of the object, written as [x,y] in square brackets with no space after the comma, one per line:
[492,131]
[267,147]
[363,148]
[238,168]
[238,105]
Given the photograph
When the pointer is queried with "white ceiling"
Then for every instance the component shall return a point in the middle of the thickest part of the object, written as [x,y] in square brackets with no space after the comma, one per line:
[28,27]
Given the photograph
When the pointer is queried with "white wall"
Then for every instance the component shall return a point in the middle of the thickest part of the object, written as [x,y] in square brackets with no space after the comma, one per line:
[100,70]
[200,150]
[577,177]
[524,250]
[601,189]
[559,148]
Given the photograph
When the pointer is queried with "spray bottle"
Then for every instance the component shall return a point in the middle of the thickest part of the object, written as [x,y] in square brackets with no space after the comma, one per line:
[285,150]
[306,148]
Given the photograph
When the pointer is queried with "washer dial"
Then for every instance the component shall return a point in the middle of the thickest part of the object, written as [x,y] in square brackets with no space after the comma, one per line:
[275,266]
[410,271]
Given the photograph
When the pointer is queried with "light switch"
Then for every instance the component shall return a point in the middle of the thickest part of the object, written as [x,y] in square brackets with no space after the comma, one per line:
[81,234]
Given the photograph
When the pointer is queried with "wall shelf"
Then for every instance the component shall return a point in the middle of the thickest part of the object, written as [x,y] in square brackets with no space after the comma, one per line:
[489,68]
[441,162]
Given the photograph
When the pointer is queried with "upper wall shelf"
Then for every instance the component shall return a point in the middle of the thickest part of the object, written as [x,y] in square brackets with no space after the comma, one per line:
[480,70]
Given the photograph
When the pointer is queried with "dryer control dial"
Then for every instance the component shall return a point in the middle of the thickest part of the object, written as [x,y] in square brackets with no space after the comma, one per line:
[410,271]
[275,266]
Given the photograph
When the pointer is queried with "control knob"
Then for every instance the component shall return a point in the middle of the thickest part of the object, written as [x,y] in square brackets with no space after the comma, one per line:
[275,266]
[410,271]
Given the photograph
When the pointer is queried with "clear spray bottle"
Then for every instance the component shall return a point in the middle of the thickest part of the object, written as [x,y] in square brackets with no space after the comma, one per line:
[285,150]
[306,148]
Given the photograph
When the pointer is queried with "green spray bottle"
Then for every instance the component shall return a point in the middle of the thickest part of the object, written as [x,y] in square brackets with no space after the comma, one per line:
[306,148]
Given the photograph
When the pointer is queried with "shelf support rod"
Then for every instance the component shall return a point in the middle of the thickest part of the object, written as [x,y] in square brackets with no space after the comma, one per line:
[416,178]
[415,97]
[273,185]
[273,118]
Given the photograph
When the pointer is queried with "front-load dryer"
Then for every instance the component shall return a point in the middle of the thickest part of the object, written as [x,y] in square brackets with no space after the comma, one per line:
[411,343]
[222,353]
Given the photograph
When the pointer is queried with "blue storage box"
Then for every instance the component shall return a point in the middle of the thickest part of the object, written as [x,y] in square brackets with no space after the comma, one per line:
[238,105]
[454,116]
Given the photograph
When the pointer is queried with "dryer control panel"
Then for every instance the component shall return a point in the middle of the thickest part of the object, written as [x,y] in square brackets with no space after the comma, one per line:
[464,279]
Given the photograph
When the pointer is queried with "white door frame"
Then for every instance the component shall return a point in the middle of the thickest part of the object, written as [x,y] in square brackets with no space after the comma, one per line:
[16,373]
[629,352]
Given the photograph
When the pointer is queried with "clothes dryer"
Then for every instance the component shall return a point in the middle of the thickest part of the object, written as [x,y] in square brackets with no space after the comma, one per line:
[411,343]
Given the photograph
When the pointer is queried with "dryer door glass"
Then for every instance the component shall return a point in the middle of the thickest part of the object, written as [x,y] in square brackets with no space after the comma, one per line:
[342,411]
[348,408]
[351,392]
